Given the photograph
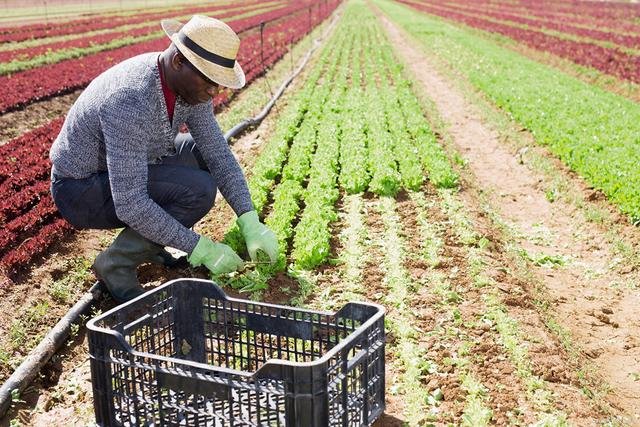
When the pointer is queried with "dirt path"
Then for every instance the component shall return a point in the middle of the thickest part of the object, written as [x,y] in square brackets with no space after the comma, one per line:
[582,277]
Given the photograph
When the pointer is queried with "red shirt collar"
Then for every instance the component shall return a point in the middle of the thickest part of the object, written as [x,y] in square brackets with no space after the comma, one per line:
[169,96]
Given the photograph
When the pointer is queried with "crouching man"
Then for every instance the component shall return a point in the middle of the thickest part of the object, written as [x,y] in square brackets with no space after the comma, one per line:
[119,160]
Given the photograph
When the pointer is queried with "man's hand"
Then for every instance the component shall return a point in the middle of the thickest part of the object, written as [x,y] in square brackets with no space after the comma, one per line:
[258,236]
[217,257]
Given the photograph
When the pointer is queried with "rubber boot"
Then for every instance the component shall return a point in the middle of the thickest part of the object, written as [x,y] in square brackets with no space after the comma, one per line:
[116,266]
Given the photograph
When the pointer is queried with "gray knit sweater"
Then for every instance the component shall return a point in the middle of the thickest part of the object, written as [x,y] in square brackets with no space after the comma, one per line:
[119,124]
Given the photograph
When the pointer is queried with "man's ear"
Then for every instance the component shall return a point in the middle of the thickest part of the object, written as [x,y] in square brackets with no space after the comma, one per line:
[177,60]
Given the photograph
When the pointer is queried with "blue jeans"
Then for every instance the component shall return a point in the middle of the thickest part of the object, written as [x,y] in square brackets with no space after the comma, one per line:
[181,184]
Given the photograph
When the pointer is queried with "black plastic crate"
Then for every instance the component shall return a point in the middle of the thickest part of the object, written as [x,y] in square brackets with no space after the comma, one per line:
[185,354]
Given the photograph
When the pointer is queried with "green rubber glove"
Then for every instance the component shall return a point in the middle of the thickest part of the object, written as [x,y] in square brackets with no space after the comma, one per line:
[217,257]
[258,236]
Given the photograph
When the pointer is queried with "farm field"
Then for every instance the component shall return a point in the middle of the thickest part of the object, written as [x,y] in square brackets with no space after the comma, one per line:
[472,166]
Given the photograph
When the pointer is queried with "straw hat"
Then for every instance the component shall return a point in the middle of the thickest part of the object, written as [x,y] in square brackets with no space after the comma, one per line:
[210,45]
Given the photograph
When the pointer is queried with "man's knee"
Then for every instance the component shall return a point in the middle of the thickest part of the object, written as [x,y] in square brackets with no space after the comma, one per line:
[205,186]
[87,202]
[201,198]
[185,193]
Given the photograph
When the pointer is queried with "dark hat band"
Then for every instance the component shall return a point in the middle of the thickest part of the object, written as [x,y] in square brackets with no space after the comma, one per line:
[204,53]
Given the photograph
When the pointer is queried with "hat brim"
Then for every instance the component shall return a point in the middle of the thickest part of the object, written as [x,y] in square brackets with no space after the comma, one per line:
[233,78]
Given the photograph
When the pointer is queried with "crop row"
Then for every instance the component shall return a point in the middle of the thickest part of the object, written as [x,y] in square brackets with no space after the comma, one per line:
[424,143]
[295,142]
[373,83]
[269,165]
[592,131]
[624,40]
[324,137]
[34,246]
[122,29]
[413,136]
[610,61]
[604,17]
[27,213]
[32,85]
[354,174]
[312,233]
[85,17]
[612,10]
[12,61]
[383,168]
[495,314]
[399,296]
[16,34]
[25,167]
[617,10]
[308,156]
[392,160]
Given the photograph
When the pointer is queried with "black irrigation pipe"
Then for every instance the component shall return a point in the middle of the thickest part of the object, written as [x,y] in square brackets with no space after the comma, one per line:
[51,343]
[240,127]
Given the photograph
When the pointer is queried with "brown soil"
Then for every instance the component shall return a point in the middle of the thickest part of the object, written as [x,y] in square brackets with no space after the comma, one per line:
[452,259]
[17,123]
[555,229]
[507,394]
[549,359]
[329,280]
[372,281]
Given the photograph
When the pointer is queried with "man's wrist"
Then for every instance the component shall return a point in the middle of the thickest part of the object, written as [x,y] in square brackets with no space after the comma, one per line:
[247,218]
[245,211]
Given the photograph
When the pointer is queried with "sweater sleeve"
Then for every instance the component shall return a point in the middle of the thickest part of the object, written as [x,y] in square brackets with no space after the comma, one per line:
[220,160]
[122,124]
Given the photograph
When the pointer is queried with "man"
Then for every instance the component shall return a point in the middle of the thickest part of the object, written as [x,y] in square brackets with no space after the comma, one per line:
[120,162]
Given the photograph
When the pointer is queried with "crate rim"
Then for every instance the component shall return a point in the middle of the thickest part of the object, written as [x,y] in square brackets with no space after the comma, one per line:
[91,326]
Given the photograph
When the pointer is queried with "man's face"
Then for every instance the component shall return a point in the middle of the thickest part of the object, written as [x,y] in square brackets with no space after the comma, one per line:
[194,87]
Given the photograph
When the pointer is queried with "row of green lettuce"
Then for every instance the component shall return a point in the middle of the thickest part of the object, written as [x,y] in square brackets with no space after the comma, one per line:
[595,132]
[354,126]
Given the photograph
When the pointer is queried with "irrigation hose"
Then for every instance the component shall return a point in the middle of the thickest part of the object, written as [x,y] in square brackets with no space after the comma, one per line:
[51,343]
[40,355]
[240,127]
